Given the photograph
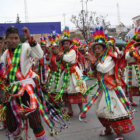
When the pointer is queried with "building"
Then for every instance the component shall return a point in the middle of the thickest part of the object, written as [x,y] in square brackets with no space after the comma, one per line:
[136,20]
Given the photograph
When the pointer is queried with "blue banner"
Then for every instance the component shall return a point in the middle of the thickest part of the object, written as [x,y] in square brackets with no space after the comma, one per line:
[35,28]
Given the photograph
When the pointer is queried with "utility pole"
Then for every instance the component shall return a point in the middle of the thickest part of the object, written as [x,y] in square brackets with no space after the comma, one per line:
[26,11]
[118,14]
[64,15]
[83,18]
[119,19]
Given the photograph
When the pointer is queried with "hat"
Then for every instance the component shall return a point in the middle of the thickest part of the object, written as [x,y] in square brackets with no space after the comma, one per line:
[66,35]
[99,37]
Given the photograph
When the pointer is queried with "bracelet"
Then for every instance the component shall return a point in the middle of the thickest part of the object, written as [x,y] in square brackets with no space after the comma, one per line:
[32,42]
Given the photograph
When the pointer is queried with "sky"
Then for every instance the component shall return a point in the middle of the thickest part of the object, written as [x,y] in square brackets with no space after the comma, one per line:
[54,10]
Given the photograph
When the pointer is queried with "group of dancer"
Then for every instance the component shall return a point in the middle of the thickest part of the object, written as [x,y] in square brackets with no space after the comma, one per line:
[40,79]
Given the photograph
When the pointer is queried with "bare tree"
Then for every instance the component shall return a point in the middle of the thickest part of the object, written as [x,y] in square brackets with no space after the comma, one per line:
[86,21]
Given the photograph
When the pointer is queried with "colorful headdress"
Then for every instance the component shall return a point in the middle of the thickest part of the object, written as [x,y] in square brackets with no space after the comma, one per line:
[43,41]
[66,32]
[66,35]
[77,42]
[53,39]
[99,36]
[136,36]
[111,41]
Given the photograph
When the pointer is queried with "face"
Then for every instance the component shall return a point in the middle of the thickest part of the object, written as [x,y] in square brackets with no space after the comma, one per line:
[12,40]
[54,50]
[66,45]
[98,49]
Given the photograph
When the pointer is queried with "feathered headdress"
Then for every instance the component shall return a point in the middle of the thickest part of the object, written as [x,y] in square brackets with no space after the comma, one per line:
[43,41]
[66,35]
[111,41]
[53,39]
[99,36]
[136,36]
[77,42]
[66,32]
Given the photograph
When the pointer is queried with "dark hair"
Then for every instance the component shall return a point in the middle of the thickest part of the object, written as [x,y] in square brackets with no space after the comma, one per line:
[1,38]
[11,30]
[62,43]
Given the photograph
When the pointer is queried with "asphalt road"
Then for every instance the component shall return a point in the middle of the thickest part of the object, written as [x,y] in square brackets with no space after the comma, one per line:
[87,131]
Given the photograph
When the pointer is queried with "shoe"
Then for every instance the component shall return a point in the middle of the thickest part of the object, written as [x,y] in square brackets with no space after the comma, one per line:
[70,114]
[106,132]
[133,104]
[83,116]
[119,138]
[2,127]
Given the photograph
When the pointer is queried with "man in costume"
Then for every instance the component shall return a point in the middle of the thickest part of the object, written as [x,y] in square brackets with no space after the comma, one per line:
[22,102]
[132,56]
[111,106]
[44,61]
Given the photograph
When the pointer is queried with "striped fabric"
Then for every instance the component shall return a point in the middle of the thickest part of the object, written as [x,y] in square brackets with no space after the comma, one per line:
[23,87]
[138,74]
[129,86]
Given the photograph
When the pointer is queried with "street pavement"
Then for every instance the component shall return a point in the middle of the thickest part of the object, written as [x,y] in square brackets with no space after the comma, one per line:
[87,131]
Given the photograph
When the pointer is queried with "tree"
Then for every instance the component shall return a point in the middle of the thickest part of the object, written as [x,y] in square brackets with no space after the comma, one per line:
[18,19]
[86,21]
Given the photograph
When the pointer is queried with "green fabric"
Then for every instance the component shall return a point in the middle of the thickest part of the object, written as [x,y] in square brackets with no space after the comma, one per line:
[138,74]
[66,81]
[57,76]
[15,61]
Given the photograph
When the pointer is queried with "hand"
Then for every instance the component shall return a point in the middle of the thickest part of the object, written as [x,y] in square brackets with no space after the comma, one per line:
[26,33]
[90,57]
[60,54]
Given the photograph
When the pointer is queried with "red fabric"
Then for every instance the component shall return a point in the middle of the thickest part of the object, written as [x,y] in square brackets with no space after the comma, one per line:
[23,87]
[74,98]
[53,66]
[119,64]
[135,91]
[122,126]
[119,126]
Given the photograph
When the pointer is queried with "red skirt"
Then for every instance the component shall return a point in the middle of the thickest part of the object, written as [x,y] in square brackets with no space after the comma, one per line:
[74,98]
[120,126]
[135,91]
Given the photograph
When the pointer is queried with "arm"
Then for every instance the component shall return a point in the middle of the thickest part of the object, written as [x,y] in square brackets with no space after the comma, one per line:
[70,57]
[3,58]
[129,58]
[106,66]
[34,50]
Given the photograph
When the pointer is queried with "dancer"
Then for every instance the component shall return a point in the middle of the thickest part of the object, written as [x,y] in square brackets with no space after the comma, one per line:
[111,106]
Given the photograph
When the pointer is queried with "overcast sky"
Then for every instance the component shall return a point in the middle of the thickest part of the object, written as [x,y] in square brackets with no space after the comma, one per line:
[53,10]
